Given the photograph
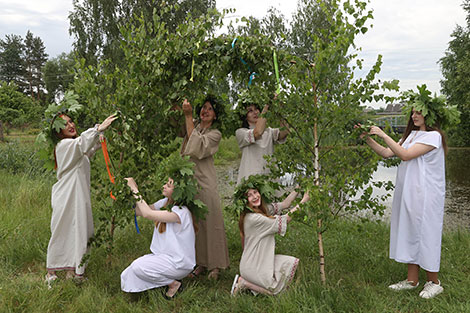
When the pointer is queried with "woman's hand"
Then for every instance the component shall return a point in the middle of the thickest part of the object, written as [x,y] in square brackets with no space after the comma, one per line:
[265,109]
[187,108]
[132,184]
[362,135]
[103,126]
[374,130]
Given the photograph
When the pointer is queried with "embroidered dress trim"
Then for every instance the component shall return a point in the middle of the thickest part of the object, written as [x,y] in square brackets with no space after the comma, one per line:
[293,270]
[276,209]
[251,136]
[60,268]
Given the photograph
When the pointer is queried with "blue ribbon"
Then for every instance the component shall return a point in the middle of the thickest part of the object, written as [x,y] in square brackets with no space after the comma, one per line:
[135,222]
[253,74]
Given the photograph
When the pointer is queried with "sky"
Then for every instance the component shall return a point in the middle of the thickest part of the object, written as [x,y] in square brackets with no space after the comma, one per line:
[411,35]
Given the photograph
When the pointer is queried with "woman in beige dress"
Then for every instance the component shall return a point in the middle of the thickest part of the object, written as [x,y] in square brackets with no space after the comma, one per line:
[201,142]
[261,270]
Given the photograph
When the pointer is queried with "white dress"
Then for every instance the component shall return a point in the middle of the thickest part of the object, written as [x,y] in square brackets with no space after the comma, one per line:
[72,220]
[418,205]
[253,151]
[173,255]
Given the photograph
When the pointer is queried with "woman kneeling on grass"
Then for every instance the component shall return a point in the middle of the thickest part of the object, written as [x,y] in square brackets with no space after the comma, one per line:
[173,244]
[262,271]
[418,201]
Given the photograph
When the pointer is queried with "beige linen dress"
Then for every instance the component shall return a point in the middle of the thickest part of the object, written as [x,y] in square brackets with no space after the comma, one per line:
[253,151]
[72,220]
[211,243]
[259,265]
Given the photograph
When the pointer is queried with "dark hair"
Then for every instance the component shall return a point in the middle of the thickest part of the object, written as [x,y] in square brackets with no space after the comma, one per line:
[218,108]
[411,126]
[263,209]
[244,113]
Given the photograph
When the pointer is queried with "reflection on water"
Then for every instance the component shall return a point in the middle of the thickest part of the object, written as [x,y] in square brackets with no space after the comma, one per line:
[457,204]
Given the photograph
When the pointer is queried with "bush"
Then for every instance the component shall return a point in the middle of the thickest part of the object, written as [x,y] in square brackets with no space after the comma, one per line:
[19,158]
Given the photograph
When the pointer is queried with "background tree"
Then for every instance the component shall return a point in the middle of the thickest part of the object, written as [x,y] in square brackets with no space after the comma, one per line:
[95,24]
[58,74]
[455,67]
[35,57]
[12,68]
[16,108]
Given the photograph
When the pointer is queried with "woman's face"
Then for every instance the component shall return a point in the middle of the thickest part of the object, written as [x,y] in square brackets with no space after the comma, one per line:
[254,198]
[69,131]
[252,113]
[168,188]
[207,114]
[418,119]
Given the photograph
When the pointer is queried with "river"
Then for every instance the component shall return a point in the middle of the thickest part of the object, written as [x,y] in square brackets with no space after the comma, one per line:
[457,203]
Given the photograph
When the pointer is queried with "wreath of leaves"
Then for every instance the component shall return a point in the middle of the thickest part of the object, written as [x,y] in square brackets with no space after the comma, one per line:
[434,109]
[265,186]
[47,138]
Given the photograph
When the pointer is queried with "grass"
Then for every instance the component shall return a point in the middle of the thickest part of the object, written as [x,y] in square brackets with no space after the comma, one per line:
[357,267]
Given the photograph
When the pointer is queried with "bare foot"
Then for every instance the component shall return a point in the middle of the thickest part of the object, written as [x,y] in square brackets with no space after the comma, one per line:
[173,288]
[214,274]
[197,271]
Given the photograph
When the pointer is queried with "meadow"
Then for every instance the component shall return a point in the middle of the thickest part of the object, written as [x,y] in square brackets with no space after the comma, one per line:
[358,269]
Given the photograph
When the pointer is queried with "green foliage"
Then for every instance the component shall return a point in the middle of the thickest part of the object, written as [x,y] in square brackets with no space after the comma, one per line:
[58,75]
[265,186]
[455,67]
[434,109]
[16,158]
[12,69]
[181,170]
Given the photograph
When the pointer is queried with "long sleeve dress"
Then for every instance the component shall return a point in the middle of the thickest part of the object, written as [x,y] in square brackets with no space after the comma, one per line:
[72,220]
[211,242]
[259,264]
[253,151]
[173,255]
[418,205]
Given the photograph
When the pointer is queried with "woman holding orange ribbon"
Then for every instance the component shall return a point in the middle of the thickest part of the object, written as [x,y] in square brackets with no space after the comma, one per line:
[72,220]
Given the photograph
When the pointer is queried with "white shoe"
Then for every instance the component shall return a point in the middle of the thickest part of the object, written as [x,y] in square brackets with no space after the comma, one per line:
[431,290]
[403,285]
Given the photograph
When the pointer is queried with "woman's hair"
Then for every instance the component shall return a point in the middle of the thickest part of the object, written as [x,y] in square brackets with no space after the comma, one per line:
[411,126]
[57,135]
[218,109]
[162,225]
[262,209]
[243,115]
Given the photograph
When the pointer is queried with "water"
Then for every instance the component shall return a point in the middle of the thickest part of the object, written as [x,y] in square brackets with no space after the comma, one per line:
[457,203]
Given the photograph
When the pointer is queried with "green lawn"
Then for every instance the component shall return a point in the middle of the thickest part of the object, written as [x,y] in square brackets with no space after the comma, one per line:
[357,266]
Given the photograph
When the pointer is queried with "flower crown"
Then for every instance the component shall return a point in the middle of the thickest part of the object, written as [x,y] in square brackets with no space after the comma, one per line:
[47,138]
[265,186]
[434,109]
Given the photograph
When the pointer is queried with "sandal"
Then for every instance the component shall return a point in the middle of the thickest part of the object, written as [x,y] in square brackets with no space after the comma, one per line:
[237,286]
[50,279]
[180,289]
[214,274]
[196,271]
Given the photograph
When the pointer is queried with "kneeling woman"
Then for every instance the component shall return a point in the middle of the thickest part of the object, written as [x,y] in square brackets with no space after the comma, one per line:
[261,270]
[173,245]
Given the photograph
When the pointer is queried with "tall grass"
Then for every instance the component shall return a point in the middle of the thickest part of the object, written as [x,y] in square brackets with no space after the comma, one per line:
[357,265]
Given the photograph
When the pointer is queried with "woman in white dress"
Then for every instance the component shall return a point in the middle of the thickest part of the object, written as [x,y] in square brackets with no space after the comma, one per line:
[418,201]
[173,251]
[256,140]
[72,220]
[261,270]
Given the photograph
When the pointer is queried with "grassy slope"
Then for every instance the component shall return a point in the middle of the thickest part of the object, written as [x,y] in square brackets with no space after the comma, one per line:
[358,268]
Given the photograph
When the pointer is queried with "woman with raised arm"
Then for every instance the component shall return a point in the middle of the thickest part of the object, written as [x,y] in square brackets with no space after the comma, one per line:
[418,200]
[200,143]
[173,252]
[261,270]
[72,220]
[256,140]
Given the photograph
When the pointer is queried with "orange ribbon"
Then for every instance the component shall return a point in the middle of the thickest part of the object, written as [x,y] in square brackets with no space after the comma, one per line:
[104,148]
